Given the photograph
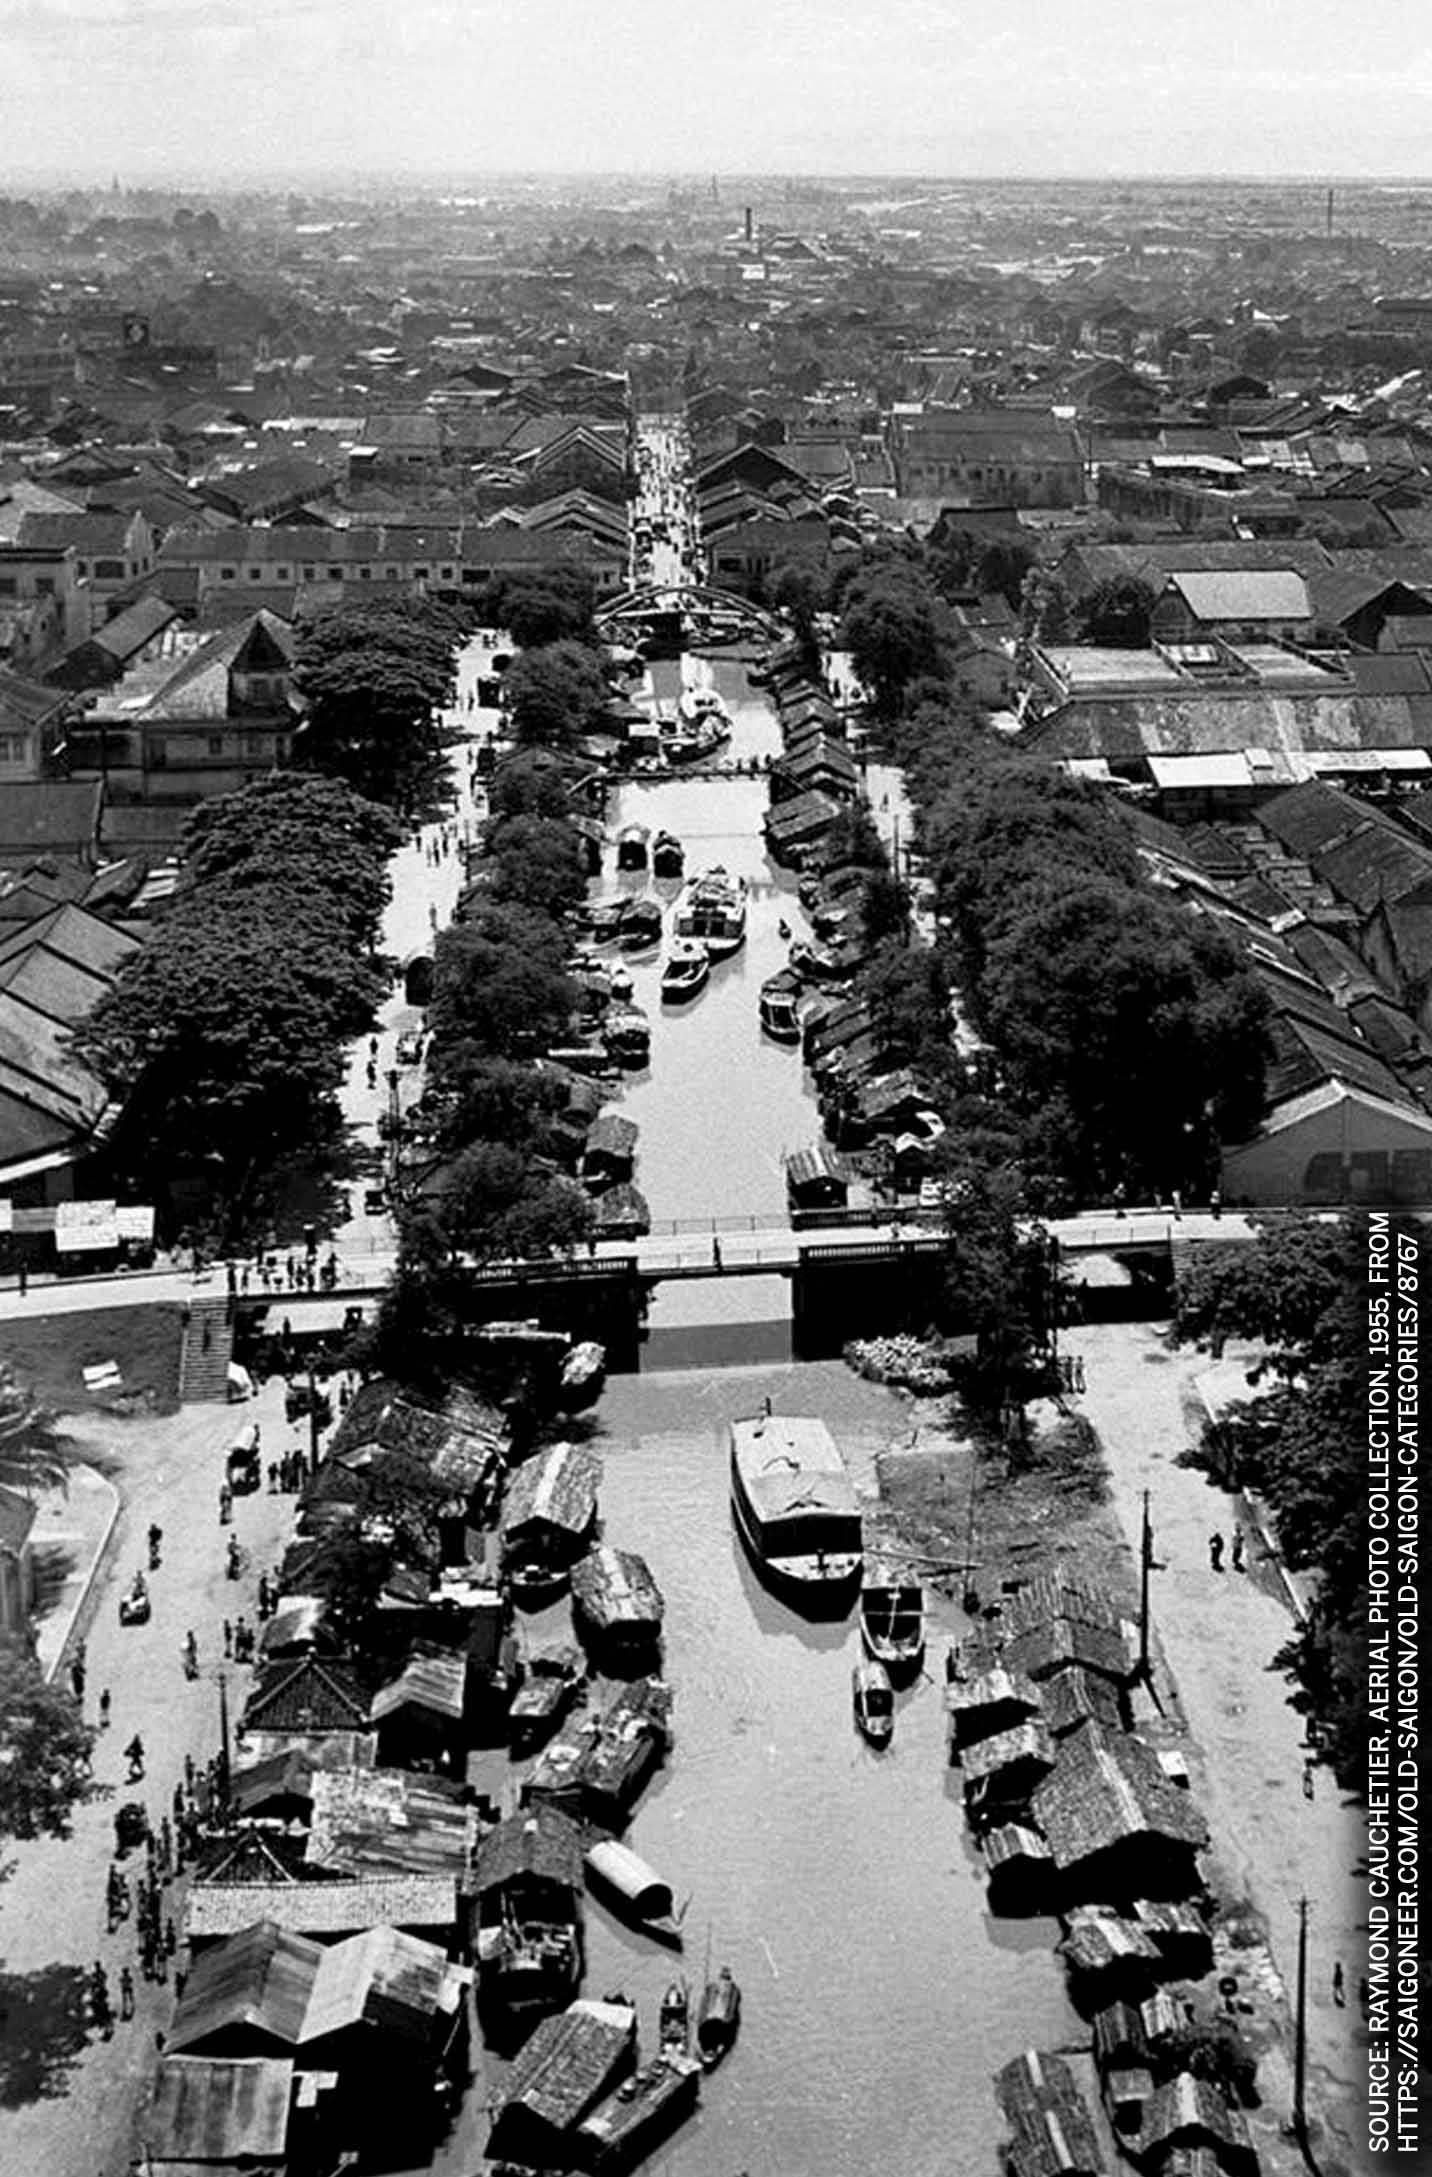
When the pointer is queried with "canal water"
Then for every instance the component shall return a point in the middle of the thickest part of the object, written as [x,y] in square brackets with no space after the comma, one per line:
[838,1883]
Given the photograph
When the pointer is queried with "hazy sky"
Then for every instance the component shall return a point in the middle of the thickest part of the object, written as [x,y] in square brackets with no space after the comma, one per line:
[204,88]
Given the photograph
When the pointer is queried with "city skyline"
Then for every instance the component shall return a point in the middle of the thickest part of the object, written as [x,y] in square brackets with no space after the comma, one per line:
[324,87]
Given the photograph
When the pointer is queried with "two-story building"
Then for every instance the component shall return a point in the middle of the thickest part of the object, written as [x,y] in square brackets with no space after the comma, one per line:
[987,457]
[112,551]
[1262,604]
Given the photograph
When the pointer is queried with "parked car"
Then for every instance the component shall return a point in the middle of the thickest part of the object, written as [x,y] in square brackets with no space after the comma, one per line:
[410,1047]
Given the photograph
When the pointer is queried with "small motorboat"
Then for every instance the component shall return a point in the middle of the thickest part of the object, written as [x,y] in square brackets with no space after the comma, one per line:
[777,1003]
[668,856]
[675,2020]
[632,846]
[603,921]
[641,925]
[718,2018]
[892,1619]
[553,1681]
[687,970]
[874,1701]
[620,984]
[584,1371]
[626,1036]
[634,1891]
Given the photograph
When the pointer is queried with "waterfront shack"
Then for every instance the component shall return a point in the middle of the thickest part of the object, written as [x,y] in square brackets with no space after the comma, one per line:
[1002,1774]
[569,2065]
[599,1766]
[325,1912]
[1074,1696]
[293,1704]
[420,1716]
[1020,1871]
[623,1213]
[1180,1934]
[618,1604]
[1109,1959]
[1117,1828]
[549,1513]
[610,1152]
[1052,2131]
[525,1922]
[388,1822]
[1187,2119]
[222,2117]
[988,1706]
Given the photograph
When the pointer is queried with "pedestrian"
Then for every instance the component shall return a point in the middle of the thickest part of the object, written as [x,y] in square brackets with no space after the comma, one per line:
[126,1993]
[191,1656]
[225,1504]
[1238,1549]
[24,1280]
[1215,1203]
[1309,1787]
[1120,1199]
[244,1280]
[1079,1372]
[229,1636]
[134,1755]
[715,1251]
[77,1677]
[1177,1202]
[1339,1986]
[104,1710]
[1215,1552]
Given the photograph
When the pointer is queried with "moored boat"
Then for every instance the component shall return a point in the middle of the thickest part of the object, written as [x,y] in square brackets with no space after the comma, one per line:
[554,1679]
[645,2109]
[713,908]
[626,1036]
[668,856]
[641,925]
[874,1701]
[778,1001]
[527,1916]
[687,969]
[618,1603]
[718,2018]
[547,1520]
[674,2029]
[892,1619]
[632,846]
[634,1890]
[796,1508]
[584,1371]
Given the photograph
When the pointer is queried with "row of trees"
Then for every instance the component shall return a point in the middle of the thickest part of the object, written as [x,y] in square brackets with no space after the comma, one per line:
[223,1038]
[1301,1291]
[376,678]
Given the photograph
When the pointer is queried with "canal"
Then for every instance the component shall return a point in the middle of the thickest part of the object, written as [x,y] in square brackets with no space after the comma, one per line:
[839,1884]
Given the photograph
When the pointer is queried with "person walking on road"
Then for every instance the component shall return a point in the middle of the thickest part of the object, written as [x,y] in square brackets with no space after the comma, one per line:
[191,1656]
[1339,1986]
[101,2009]
[104,1710]
[1215,1552]
[126,1993]
[134,1755]
[1238,1546]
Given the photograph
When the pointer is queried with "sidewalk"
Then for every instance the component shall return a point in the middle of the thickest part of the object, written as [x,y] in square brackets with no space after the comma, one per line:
[1219,1633]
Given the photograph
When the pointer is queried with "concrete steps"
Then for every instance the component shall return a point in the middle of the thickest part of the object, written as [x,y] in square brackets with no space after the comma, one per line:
[208,1345]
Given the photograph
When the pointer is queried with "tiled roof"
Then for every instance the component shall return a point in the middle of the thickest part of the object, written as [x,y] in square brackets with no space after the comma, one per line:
[308,1696]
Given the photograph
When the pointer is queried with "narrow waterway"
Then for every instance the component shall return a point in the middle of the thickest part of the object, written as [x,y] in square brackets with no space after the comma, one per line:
[720,1105]
[839,1884]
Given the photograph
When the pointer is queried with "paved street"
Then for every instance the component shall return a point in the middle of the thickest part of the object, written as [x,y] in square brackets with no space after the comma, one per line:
[66,2096]
[1219,1632]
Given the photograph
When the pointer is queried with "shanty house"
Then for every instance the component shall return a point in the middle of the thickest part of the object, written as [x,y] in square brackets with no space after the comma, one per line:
[568,2065]
[1020,1870]
[1187,2117]
[390,1822]
[221,2117]
[1116,1827]
[1003,1773]
[551,1506]
[420,1715]
[1051,2131]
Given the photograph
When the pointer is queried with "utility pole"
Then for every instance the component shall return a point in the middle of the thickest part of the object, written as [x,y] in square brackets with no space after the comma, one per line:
[224,1738]
[1146,1563]
[1300,2032]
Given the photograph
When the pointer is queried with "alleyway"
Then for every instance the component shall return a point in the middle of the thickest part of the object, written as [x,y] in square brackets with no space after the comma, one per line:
[1219,1632]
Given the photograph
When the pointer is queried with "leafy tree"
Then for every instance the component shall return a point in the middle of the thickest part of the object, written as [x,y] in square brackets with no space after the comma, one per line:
[529,782]
[800,588]
[1045,611]
[552,606]
[1119,613]
[29,1453]
[497,1204]
[991,1259]
[45,1754]
[884,909]
[854,838]
[555,695]
[536,862]
[474,1097]
[499,982]
[889,630]
[376,677]
[315,836]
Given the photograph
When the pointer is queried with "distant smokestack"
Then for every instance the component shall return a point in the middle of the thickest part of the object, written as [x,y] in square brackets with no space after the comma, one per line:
[750,225]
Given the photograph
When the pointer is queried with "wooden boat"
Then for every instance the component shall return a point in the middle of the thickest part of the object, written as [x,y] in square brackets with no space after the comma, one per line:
[620,984]
[527,1916]
[602,920]
[626,1036]
[565,2071]
[796,1509]
[674,2028]
[713,908]
[617,1602]
[874,1701]
[718,2018]
[645,2109]
[892,1619]
[778,1001]
[688,966]
[547,1520]
[598,1767]
[641,925]
[668,856]
[635,1892]
[622,1213]
[632,846]
[584,1371]
[553,1681]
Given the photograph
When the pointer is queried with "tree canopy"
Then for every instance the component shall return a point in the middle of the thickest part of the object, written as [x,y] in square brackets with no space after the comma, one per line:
[890,631]
[550,605]
[313,839]
[499,982]
[1118,612]
[536,861]
[555,695]
[376,677]
[45,1754]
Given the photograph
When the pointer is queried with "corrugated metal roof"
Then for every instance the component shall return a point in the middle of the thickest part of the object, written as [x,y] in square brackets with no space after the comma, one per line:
[206,2109]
